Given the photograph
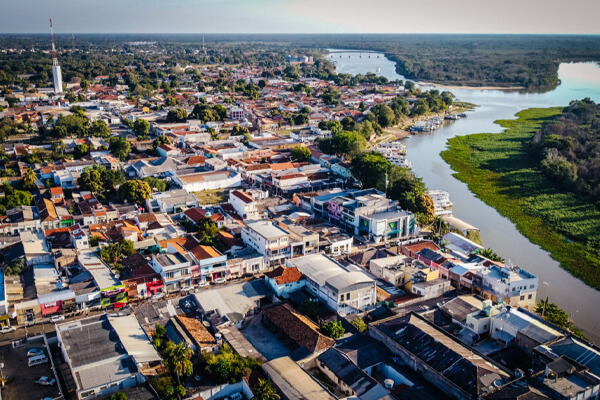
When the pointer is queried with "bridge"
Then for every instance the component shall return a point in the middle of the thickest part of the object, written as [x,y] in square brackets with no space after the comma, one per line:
[359,52]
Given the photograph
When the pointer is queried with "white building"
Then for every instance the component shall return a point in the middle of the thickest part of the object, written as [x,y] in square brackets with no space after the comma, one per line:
[441,202]
[174,268]
[346,290]
[244,204]
[268,240]
[200,181]
[510,285]
[79,238]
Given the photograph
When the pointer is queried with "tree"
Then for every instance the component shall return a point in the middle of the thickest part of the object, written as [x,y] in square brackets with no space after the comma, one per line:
[155,183]
[118,396]
[159,339]
[491,254]
[300,154]
[91,179]
[99,128]
[119,147]
[111,178]
[333,329]
[385,115]
[94,240]
[207,231]
[15,267]
[424,205]
[81,150]
[177,115]
[264,390]
[439,227]
[370,169]
[162,139]
[112,253]
[239,130]
[141,127]
[359,324]
[135,191]
[29,179]
[226,366]
[177,360]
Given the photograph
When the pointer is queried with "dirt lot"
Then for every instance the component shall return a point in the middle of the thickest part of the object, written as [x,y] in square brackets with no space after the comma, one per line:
[263,340]
[22,385]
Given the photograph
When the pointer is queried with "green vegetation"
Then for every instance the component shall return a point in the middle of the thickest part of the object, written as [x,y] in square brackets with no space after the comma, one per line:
[97,179]
[300,154]
[156,183]
[359,324]
[499,169]
[213,196]
[264,390]
[491,255]
[118,396]
[135,191]
[15,267]
[333,329]
[557,316]
[226,366]
[13,198]
[112,253]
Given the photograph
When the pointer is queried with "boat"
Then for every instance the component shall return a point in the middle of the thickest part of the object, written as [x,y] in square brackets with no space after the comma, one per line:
[462,115]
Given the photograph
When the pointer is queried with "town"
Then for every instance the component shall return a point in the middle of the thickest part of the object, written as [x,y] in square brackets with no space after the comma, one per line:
[254,232]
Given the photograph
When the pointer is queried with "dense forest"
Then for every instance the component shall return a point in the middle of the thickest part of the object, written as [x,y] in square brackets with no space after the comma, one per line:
[569,148]
[529,61]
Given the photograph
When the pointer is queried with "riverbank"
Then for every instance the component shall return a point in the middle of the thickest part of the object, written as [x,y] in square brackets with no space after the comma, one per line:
[498,170]
[456,87]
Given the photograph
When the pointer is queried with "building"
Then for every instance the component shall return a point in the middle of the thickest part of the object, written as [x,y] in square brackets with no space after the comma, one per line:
[346,290]
[199,181]
[105,353]
[293,382]
[243,204]
[79,239]
[112,291]
[174,268]
[441,202]
[284,281]
[509,285]
[268,240]
[438,357]
[171,202]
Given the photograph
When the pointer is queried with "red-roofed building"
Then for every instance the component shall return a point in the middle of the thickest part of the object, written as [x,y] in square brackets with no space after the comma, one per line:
[243,204]
[412,249]
[284,281]
[57,195]
[166,150]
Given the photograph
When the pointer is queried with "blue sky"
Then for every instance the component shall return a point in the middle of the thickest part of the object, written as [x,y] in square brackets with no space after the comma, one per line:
[301,16]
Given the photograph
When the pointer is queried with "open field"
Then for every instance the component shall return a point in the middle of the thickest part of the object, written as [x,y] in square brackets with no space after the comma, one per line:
[215,196]
[499,170]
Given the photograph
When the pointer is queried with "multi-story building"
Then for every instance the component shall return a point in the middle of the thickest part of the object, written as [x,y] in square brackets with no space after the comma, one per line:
[268,240]
[244,204]
[509,285]
[175,270]
[346,290]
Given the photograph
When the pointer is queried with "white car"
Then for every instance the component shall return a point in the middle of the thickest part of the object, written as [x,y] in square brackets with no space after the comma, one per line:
[57,318]
[157,296]
[219,281]
[187,289]
[45,381]
[8,329]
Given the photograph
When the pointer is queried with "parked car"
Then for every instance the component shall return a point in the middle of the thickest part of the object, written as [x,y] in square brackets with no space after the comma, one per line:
[35,352]
[157,296]
[219,281]
[8,329]
[57,318]
[45,381]
[202,284]
[187,289]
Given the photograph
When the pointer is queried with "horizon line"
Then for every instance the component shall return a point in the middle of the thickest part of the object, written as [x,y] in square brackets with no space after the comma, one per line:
[313,33]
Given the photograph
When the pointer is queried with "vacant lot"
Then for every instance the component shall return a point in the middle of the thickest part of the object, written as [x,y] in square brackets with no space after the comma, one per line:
[207,197]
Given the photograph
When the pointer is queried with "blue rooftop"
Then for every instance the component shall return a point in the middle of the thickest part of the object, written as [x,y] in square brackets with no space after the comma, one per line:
[2,291]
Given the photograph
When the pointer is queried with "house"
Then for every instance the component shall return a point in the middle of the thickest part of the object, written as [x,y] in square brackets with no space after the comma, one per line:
[203,341]
[437,357]
[139,277]
[244,204]
[342,169]
[268,240]
[283,281]
[64,179]
[156,167]
[166,150]
[57,195]
[174,269]
[350,379]
[295,328]
[293,382]
[511,285]
[171,201]
[79,238]
[199,181]
[346,290]
[105,353]
[112,292]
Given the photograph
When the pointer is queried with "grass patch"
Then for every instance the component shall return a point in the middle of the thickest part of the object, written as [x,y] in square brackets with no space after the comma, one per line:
[207,197]
[499,171]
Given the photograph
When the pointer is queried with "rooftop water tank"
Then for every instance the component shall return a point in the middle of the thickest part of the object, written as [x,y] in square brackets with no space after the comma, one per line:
[388,383]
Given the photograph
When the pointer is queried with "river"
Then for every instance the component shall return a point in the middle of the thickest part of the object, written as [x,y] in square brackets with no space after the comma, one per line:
[578,80]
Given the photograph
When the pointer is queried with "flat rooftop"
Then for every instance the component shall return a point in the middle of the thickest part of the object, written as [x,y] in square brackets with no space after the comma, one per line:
[294,382]
[266,229]
[233,300]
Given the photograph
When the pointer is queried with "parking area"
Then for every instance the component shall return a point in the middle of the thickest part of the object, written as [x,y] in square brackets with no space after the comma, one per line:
[22,383]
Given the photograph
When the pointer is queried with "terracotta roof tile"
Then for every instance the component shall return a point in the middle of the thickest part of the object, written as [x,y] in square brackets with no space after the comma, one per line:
[285,275]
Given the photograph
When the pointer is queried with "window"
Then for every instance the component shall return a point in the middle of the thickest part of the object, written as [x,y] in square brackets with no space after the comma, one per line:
[522,297]
[531,286]
[529,297]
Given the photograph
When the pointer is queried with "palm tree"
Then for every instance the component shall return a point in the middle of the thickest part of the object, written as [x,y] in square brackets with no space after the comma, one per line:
[264,390]
[178,360]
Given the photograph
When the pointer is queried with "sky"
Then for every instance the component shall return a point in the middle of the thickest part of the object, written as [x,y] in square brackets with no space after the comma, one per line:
[301,16]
